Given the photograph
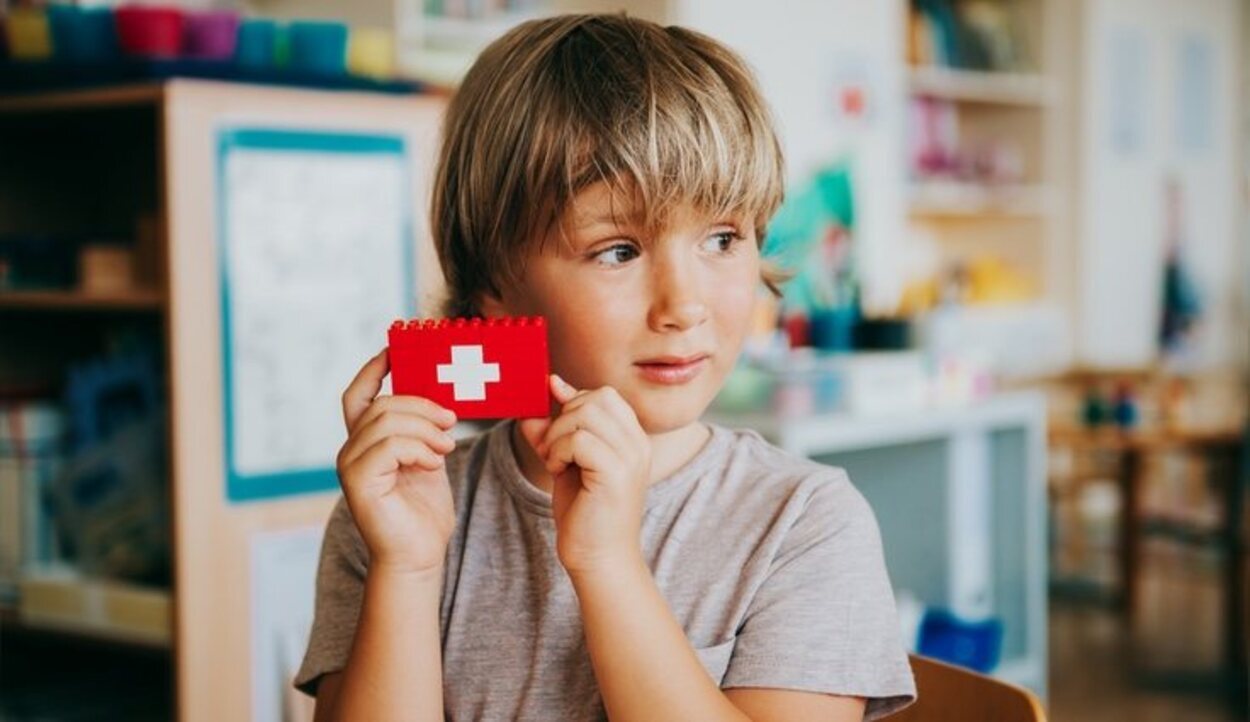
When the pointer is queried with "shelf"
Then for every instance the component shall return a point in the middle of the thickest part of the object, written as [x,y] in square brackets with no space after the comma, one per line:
[92,610]
[138,94]
[74,300]
[977,86]
[972,200]
[11,623]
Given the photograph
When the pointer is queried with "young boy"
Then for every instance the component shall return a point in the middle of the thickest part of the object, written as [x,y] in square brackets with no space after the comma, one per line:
[621,558]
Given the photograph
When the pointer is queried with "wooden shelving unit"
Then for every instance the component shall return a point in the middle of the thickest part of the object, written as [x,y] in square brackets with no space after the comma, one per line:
[939,199]
[136,94]
[984,87]
[87,164]
[1013,129]
[71,300]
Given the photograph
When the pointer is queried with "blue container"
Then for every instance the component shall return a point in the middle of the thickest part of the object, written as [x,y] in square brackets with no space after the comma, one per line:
[82,35]
[972,644]
[318,47]
[257,45]
[833,329]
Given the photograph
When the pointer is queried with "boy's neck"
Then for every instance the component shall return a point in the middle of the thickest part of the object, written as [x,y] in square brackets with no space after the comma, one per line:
[669,452]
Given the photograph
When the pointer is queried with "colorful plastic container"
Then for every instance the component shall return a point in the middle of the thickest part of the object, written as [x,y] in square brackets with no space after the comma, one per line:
[257,44]
[371,53]
[210,35]
[29,36]
[318,47]
[150,31]
[82,35]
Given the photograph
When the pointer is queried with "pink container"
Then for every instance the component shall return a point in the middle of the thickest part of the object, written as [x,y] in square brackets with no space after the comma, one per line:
[210,34]
[154,32]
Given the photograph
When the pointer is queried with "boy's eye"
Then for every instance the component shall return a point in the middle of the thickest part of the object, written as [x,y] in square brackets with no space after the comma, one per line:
[616,255]
[722,242]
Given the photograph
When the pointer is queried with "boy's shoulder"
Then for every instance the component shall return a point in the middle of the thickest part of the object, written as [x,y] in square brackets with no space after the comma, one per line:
[754,460]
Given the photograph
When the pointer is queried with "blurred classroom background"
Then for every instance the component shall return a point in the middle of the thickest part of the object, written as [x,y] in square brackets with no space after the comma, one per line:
[1020,323]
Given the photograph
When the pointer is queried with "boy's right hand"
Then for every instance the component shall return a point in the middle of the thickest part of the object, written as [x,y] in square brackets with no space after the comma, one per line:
[392,473]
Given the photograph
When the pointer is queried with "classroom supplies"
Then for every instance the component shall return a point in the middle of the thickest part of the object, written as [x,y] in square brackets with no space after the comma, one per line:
[82,34]
[31,434]
[110,505]
[105,268]
[318,47]
[210,34]
[150,31]
[371,53]
[29,36]
[967,643]
[37,261]
[257,44]
[492,368]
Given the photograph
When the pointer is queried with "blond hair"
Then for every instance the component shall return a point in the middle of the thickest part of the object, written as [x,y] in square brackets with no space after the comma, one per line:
[664,114]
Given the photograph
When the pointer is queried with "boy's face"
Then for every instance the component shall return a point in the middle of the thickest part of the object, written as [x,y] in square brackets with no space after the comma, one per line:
[660,317]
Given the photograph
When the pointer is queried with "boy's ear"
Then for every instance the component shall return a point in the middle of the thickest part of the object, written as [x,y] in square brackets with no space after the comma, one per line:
[491,305]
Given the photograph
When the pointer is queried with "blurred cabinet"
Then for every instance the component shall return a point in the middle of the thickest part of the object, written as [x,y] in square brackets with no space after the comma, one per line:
[95,160]
[960,496]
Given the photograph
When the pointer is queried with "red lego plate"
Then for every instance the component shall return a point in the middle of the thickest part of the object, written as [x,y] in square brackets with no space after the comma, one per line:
[479,368]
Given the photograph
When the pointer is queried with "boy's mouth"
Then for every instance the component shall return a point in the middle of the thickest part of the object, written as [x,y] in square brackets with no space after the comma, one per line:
[672,369]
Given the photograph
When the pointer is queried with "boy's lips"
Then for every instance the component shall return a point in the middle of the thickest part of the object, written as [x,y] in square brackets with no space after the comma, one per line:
[672,369]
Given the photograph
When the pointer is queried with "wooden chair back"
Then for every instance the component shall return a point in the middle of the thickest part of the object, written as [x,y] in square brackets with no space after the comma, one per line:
[946,693]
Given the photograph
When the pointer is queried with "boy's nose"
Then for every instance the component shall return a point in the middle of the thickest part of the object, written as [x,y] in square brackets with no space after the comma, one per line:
[677,301]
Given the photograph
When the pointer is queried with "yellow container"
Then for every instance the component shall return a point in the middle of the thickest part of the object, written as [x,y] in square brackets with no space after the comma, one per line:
[371,53]
[28,34]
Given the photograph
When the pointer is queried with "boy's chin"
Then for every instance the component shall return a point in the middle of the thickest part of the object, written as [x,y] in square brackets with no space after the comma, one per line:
[670,417]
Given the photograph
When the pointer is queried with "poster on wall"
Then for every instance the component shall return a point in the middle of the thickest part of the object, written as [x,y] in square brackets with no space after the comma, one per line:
[283,583]
[316,257]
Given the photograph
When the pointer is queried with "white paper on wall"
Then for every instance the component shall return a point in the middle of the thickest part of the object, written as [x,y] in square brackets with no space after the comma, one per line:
[316,268]
[284,575]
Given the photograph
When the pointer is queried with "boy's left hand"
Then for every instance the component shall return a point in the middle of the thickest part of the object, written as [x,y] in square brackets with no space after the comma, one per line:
[599,458]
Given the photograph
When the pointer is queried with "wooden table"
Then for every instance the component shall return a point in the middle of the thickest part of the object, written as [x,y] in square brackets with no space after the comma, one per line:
[1224,451]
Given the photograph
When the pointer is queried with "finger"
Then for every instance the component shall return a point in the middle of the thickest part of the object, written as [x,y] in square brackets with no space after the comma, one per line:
[386,457]
[395,423]
[441,416]
[620,428]
[610,398]
[593,417]
[562,390]
[363,388]
[583,449]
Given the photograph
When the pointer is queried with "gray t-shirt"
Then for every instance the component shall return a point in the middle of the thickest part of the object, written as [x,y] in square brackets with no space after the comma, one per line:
[772,565]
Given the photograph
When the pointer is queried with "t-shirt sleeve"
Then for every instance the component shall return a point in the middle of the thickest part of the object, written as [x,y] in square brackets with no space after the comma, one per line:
[824,619]
[340,589]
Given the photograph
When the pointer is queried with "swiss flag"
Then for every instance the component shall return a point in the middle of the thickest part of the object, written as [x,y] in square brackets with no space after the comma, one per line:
[480,369]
